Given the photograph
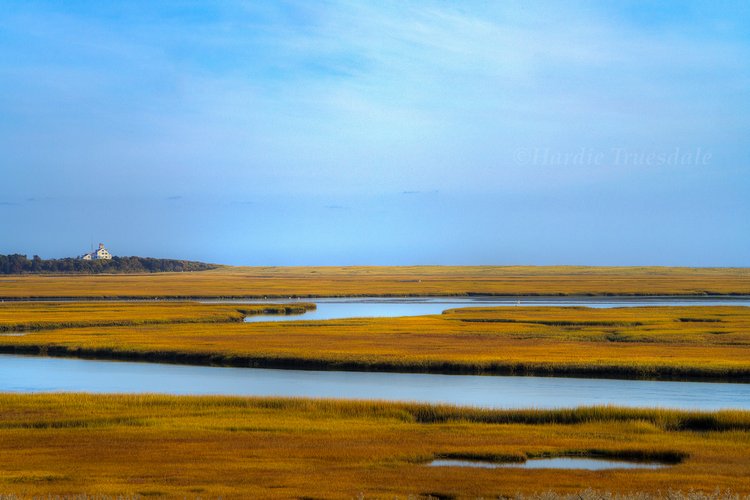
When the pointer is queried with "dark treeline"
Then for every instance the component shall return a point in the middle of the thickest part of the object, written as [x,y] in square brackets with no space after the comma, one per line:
[20,264]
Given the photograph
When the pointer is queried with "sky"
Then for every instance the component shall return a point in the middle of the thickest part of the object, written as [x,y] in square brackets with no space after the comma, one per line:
[353,132]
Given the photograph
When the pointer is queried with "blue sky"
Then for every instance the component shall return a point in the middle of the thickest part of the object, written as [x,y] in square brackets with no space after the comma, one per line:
[356,132]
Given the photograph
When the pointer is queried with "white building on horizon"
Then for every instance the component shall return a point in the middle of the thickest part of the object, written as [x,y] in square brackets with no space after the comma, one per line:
[100,254]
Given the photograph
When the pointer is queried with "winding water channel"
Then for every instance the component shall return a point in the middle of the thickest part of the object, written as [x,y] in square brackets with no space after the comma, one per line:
[44,374]
[31,374]
[378,307]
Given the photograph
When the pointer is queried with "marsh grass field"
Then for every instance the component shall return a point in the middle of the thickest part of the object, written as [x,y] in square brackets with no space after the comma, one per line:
[210,447]
[283,282]
[690,342]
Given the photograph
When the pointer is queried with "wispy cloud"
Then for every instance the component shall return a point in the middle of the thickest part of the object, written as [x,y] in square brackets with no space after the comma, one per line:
[376,95]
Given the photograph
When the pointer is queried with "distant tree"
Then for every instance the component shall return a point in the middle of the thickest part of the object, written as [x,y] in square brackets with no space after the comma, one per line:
[18,264]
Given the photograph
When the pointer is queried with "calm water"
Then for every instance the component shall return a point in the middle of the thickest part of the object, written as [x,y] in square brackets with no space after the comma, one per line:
[551,463]
[44,374]
[376,307]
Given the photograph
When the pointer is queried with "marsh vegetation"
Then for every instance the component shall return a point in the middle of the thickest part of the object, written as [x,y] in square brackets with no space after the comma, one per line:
[285,282]
[281,448]
[186,446]
[625,343]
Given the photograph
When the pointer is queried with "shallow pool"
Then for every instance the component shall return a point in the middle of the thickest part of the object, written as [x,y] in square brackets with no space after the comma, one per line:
[579,463]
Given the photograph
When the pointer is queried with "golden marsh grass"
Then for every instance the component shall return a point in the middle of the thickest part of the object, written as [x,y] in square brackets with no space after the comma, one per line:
[39,316]
[190,447]
[396,281]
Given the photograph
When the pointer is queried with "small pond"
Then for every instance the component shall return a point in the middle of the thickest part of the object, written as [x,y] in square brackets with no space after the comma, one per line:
[580,463]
